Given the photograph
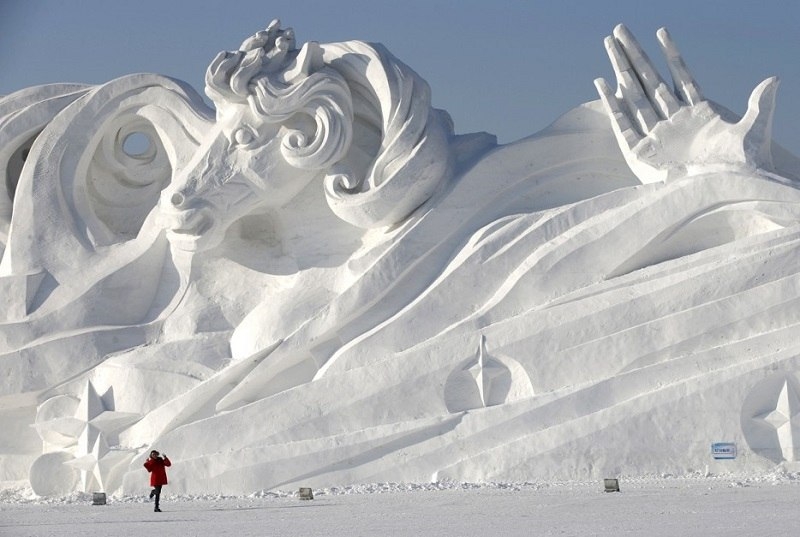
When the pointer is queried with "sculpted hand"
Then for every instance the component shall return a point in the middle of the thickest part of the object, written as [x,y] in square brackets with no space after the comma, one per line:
[666,133]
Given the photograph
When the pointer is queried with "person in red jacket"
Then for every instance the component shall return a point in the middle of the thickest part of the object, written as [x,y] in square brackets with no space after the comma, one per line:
[157,465]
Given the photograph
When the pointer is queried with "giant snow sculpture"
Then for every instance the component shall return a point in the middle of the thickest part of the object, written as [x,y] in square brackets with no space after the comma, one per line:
[317,282]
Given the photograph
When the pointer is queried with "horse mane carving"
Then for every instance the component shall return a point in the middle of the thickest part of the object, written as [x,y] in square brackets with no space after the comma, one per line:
[383,148]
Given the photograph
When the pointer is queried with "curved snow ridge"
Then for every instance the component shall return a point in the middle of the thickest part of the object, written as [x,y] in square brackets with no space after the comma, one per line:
[660,317]
[547,257]
[44,365]
[321,458]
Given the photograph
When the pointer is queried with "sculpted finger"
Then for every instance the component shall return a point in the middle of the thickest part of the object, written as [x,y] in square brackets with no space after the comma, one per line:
[757,122]
[624,129]
[685,84]
[629,88]
[662,99]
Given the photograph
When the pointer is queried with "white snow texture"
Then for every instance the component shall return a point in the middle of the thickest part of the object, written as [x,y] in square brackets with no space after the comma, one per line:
[318,283]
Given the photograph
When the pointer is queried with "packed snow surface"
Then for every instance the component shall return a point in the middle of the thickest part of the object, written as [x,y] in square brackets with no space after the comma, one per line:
[690,506]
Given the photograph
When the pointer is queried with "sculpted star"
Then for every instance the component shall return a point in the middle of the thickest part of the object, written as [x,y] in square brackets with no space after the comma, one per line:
[96,419]
[784,418]
[93,456]
[96,466]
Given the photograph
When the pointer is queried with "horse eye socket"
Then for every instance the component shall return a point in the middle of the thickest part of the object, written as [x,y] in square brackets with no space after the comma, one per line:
[243,136]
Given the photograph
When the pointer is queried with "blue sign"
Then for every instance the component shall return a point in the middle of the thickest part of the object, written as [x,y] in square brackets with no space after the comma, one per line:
[723,450]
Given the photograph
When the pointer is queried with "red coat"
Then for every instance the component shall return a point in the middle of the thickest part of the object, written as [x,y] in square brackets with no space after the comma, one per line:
[157,469]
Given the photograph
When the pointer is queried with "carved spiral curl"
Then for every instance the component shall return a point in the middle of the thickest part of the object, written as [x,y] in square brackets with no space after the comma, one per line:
[323,96]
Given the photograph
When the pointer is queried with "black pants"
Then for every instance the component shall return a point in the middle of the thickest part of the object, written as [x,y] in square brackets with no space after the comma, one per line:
[156,493]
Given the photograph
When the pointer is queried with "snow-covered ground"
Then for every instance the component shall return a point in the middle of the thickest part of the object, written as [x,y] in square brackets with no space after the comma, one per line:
[669,506]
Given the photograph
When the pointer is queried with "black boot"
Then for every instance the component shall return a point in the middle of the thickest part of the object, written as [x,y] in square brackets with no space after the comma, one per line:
[152,493]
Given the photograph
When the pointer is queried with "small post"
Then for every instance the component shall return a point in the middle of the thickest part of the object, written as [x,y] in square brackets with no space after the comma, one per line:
[99,498]
[305,493]
[611,485]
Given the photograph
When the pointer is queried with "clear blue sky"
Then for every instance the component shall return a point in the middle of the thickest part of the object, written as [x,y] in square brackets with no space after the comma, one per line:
[503,66]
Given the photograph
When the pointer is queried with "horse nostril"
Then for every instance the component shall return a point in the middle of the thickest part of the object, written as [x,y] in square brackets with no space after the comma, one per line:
[177,199]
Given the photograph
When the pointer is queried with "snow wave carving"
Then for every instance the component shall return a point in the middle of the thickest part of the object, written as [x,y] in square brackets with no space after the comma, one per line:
[318,283]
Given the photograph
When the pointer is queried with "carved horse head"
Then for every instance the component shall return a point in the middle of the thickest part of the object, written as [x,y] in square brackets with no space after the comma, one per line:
[349,114]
